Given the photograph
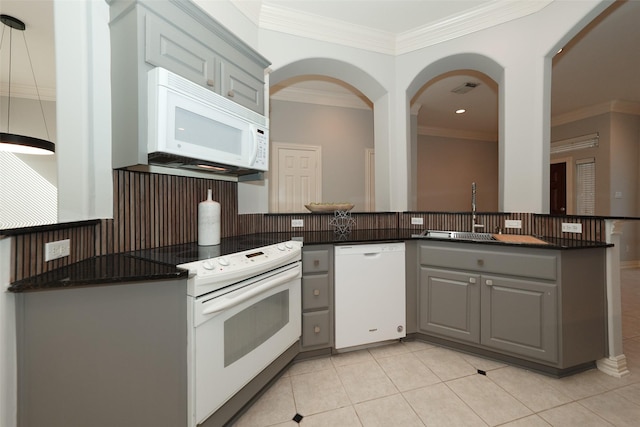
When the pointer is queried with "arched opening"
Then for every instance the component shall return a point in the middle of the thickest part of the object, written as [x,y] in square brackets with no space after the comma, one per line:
[453,150]
[457,142]
[322,136]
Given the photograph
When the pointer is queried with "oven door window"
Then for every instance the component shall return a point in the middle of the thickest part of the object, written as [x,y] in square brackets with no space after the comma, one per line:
[248,329]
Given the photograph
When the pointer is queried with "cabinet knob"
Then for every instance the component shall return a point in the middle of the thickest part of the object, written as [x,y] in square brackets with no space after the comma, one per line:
[472,280]
[316,292]
[316,262]
[210,82]
[316,329]
[480,262]
[231,93]
[489,282]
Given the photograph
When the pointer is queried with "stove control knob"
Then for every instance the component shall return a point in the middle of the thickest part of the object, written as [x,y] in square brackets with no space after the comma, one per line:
[280,247]
[208,265]
[223,262]
[289,245]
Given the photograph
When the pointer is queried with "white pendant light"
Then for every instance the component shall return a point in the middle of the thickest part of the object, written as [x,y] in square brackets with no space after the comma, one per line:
[10,141]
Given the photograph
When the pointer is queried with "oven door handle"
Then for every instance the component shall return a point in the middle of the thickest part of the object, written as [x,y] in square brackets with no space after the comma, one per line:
[216,306]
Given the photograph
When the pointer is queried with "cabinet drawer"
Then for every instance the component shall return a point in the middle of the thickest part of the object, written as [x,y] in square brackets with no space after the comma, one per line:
[315,261]
[315,291]
[170,48]
[316,329]
[490,261]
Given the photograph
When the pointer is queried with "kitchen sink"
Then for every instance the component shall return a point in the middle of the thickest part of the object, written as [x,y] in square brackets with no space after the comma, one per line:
[457,235]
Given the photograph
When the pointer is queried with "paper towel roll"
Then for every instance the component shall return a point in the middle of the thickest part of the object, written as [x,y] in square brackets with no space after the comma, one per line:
[208,222]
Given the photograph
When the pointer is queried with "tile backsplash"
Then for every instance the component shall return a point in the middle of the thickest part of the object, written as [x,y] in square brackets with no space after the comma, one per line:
[153,210]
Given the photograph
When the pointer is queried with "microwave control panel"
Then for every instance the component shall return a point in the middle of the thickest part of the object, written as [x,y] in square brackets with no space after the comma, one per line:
[262,156]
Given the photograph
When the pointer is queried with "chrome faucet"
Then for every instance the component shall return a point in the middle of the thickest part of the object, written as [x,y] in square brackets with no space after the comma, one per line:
[473,208]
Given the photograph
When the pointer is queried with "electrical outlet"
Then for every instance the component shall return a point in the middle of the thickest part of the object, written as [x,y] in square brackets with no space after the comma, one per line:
[297,222]
[512,223]
[571,227]
[417,221]
[55,250]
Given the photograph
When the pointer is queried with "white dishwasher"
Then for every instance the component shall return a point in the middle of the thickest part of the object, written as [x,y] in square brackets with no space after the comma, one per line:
[370,301]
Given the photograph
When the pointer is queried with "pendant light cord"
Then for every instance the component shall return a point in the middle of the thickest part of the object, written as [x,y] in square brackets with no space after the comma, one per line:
[35,83]
[33,75]
[9,97]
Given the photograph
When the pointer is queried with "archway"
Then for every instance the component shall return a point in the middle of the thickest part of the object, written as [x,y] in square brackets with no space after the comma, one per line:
[470,152]
[344,132]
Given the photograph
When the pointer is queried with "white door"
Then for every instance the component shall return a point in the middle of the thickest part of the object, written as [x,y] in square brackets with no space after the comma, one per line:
[297,177]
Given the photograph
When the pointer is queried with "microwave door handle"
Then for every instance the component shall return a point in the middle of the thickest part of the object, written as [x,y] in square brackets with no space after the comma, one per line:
[215,307]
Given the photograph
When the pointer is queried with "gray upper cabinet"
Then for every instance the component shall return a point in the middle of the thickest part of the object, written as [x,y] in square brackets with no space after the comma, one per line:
[169,47]
[541,305]
[181,37]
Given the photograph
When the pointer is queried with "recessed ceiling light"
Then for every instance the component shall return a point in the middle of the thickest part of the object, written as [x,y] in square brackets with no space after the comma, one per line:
[461,111]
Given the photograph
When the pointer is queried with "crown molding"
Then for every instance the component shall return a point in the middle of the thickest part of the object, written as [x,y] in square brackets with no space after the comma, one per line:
[479,18]
[289,21]
[325,29]
[457,133]
[320,97]
[615,106]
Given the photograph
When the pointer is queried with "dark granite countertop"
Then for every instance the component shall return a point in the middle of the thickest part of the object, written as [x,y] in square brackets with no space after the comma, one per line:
[99,271]
[364,236]
[160,263]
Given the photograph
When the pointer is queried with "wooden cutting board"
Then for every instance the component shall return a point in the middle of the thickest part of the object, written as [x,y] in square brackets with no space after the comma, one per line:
[517,238]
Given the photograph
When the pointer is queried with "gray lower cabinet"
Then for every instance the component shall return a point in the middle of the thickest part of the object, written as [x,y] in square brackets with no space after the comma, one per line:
[450,303]
[103,356]
[317,297]
[541,305]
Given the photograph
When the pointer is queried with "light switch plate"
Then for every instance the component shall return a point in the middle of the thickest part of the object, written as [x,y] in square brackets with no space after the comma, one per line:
[512,223]
[297,223]
[417,221]
[55,250]
[571,227]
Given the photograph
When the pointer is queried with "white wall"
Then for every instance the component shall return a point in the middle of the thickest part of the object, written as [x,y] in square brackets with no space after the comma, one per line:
[521,49]
[8,373]
[343,134]
[83,85]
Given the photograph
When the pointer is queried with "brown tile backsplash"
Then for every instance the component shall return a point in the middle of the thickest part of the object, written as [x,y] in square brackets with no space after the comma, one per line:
[152,210]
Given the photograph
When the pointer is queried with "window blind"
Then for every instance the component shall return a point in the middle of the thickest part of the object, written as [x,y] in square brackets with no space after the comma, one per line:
[586,186]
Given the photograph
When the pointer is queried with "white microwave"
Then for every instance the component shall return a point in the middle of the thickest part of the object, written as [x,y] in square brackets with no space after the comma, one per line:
[192,127]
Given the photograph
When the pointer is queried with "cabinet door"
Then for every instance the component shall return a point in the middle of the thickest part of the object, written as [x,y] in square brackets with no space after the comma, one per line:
[449,304]
[170,48]
[242,87]
[520,316]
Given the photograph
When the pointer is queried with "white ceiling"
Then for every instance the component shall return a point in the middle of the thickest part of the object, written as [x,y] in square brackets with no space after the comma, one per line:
[604,65]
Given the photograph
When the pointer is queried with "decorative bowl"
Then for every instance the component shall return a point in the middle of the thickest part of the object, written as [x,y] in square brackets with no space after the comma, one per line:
[329,207]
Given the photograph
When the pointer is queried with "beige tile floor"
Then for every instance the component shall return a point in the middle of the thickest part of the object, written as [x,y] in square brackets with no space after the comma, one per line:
[418,384]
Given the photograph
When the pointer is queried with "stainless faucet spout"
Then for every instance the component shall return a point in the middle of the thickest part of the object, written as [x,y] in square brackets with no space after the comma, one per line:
[474,226]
